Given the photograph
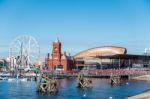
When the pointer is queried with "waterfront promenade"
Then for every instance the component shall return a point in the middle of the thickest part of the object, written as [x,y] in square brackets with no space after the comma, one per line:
[101,73]
[134,74]
[143,77]
[145,95]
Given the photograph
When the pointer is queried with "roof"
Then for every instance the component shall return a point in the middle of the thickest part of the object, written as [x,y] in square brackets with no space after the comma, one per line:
[101,51]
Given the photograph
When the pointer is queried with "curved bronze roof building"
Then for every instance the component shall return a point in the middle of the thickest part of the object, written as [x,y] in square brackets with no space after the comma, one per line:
[101,51]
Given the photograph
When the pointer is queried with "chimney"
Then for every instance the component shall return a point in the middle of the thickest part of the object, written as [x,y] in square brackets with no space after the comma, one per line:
[48,55]
[65,53]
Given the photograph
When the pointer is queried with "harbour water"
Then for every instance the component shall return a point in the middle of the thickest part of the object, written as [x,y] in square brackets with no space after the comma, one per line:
[67,90]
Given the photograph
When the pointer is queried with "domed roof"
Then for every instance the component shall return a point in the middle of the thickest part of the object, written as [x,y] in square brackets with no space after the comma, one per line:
[101,51]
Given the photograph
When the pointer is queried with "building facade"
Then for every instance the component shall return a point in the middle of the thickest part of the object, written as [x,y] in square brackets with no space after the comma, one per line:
[3,64]
[111,57]
[58,61]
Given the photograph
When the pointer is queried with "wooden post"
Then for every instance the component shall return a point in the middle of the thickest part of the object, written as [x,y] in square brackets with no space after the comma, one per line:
[115,79]
[50,86]
[83,82]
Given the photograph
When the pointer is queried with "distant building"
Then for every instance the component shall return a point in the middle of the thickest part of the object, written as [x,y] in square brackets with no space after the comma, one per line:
[110,57]
[3,64]
[58,61]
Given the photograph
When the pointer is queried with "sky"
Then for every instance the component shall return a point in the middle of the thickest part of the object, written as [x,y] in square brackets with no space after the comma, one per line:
[79,24]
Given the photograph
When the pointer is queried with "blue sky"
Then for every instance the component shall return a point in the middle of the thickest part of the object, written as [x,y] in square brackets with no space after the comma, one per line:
[79,24]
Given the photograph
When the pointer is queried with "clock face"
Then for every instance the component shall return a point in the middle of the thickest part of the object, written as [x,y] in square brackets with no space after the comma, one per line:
[56,48]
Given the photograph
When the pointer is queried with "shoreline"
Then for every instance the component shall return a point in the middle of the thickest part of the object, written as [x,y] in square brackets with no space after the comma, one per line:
[144,95]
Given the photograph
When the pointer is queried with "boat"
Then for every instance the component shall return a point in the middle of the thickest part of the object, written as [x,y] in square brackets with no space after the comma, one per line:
[23,79]
[3,78]
[17,79]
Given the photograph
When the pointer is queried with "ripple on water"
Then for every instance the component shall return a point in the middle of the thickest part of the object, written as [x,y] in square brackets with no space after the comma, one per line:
[67,90]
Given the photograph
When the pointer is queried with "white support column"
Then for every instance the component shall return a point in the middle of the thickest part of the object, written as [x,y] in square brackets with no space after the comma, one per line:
[119,62]
[129,64]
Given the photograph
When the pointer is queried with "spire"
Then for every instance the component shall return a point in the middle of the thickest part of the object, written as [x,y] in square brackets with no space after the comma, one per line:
[57,40]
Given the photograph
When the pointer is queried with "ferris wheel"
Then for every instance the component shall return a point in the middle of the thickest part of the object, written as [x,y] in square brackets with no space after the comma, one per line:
[24,52]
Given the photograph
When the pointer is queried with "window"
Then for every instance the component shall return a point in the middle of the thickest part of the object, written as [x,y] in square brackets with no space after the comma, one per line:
[60,66]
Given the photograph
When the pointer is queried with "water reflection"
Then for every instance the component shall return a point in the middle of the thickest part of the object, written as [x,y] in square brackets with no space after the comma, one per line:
[84,93]
[63,83]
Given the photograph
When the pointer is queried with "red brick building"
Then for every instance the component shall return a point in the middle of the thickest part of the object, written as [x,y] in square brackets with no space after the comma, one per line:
[57,60]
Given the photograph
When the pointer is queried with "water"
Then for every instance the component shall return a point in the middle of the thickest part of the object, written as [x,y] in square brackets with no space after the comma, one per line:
[67,90]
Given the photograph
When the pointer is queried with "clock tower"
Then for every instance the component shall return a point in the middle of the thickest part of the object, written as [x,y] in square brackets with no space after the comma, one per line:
[56,53]
[57,60]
